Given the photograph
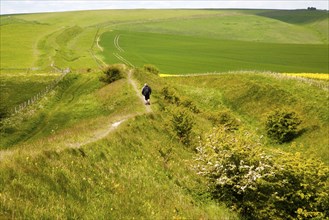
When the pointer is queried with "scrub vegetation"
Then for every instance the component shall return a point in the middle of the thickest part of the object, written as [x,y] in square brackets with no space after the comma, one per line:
[90,148]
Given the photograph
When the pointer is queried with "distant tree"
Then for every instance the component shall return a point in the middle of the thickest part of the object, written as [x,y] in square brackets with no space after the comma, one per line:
[311,8]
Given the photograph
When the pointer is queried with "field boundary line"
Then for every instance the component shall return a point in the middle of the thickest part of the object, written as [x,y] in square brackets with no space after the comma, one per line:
[100,63]
[97,42]
[320,84]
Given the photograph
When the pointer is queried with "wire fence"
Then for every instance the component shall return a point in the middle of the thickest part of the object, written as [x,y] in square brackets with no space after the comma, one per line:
[44,92]
[53,84]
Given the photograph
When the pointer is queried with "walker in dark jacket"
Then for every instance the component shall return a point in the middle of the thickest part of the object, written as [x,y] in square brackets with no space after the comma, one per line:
[146,91]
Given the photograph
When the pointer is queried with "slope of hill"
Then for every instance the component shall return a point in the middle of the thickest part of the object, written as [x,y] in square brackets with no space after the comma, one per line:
[231,25]
[90,150]
[138,171]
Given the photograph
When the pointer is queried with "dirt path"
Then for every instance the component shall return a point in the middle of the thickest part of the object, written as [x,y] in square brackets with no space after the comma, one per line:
[103,133]
[138,91]
[98,134]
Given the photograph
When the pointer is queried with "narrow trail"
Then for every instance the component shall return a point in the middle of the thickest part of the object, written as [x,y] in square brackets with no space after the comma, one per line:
[100,133]
[138,91]
[103,133]
[97,134]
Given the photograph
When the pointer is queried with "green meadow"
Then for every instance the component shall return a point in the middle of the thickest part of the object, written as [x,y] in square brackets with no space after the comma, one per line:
[231,40]
[190,54]
[90,150]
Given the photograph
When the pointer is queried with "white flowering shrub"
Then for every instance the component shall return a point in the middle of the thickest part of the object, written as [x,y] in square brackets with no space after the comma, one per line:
[259,186]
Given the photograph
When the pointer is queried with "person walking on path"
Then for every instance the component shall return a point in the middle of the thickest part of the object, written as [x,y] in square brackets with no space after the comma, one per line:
[146,91]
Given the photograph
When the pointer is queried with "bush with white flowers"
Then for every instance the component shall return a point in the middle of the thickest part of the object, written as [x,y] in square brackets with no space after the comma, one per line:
[259,186]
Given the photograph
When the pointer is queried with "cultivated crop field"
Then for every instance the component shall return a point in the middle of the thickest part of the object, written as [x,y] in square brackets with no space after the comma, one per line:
[226,41]
[87,149]
[189,54]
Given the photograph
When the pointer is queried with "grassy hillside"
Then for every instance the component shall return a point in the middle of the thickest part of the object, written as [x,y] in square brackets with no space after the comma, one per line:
[19,87]
[76,99]
[231,25]
[313,20]
[138,170]
[94,151]
[252,96]
[48,38]
[264,40]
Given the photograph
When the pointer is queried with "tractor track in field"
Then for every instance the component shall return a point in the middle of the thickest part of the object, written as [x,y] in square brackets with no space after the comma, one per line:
[117,46]
[116,43]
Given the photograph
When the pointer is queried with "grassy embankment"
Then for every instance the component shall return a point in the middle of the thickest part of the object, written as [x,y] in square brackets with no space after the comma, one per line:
[140,170]
[122,177]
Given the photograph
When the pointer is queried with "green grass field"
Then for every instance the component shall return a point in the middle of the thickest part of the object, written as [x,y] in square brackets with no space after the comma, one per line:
[88,150]
[187,54]
[226,40]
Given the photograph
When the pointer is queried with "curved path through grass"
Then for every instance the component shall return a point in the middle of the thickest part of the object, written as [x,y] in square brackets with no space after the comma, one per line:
[103,133]
[97,134]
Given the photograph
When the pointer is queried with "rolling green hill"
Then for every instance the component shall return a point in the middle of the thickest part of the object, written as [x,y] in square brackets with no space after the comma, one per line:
[89,150]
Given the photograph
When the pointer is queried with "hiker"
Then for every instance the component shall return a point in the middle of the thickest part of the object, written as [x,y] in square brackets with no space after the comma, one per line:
[146,93]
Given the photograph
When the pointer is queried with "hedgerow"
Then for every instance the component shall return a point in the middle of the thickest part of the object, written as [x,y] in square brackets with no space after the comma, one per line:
[261,186]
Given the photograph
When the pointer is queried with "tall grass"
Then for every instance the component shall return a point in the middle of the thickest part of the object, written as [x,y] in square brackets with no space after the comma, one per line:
[252,96]
[63,159]
[77,98]
[138,171]
[19,87]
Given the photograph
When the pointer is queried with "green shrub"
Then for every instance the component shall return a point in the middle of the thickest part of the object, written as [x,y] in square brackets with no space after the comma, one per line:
[170,96]
[225,118]
[112,73]
[281,125]
[151,69]
[190,105]
[284,186]
[182,124]
[3,112]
